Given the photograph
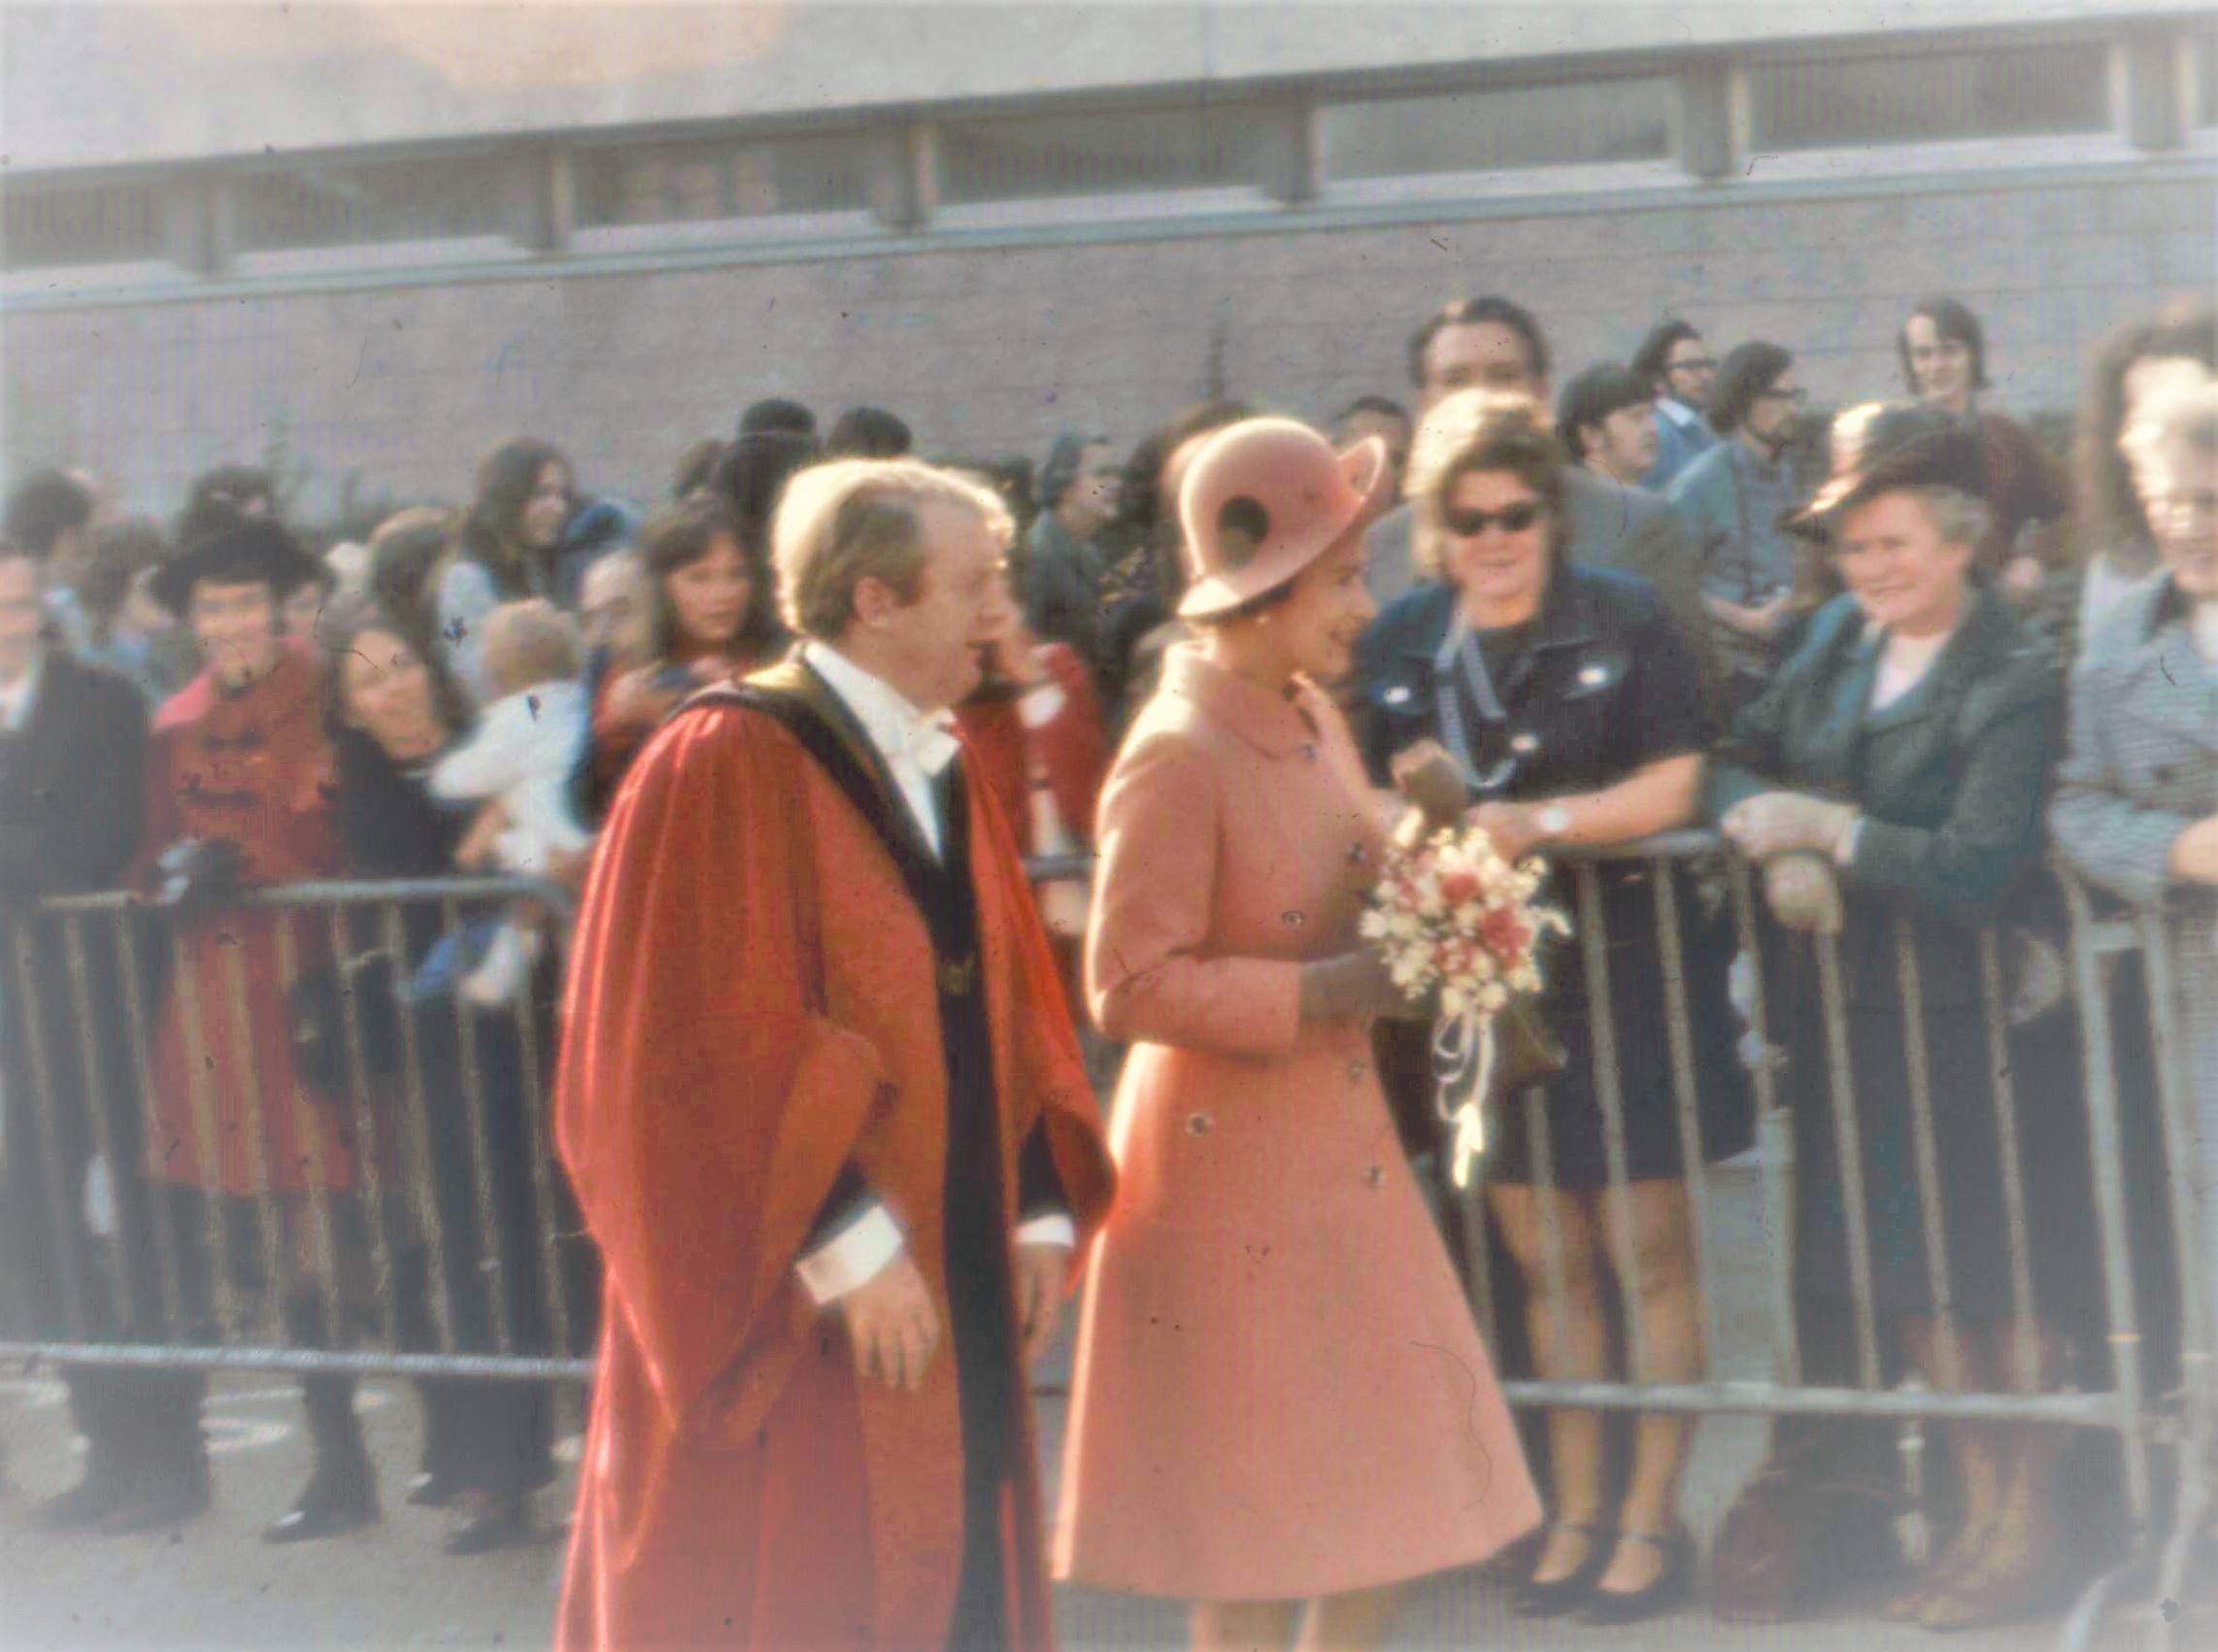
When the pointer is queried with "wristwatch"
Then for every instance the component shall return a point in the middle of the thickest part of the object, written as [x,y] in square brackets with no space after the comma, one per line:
[1554,822]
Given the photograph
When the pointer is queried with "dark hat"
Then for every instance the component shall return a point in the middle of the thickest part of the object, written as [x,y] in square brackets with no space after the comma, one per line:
[1904,444]
[258,549]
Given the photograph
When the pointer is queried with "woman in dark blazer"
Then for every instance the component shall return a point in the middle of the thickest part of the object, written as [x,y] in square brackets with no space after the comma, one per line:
[1891,784]
[1572,708]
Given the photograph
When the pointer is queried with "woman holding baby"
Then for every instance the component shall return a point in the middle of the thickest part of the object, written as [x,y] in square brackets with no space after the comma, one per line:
[395,721]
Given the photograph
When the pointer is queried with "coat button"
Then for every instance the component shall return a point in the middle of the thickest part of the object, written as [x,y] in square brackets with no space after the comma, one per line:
[1198,1124]
[1359,1070]
[1398,694]
[1525,744]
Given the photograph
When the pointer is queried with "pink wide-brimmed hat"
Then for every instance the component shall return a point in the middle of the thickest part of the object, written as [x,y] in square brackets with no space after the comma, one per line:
[1263,499]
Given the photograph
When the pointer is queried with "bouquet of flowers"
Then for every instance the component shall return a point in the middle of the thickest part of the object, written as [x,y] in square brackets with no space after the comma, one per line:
[1453,917]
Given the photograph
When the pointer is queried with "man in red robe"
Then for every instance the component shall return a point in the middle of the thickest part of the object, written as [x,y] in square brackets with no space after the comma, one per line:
[825,1115]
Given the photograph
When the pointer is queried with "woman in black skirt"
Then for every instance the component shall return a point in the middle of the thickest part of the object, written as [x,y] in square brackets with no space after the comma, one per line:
[1572,708]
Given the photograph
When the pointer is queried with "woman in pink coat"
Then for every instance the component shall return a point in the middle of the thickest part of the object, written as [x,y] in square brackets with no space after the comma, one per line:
[1280,1396]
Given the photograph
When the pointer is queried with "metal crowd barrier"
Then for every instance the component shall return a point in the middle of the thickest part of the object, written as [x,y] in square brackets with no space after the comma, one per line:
[139,1297]
[451,1251]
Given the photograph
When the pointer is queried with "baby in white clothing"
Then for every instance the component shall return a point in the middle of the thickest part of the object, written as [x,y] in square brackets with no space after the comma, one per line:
[521,756]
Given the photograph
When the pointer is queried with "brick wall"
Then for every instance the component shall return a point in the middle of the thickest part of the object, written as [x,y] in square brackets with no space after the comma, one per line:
[994,350]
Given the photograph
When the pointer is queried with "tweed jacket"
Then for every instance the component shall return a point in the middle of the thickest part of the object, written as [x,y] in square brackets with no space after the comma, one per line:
[2142,768]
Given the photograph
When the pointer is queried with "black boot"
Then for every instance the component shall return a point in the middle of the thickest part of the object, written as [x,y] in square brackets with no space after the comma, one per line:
[170,1457]
[93,1405]
[341,1489]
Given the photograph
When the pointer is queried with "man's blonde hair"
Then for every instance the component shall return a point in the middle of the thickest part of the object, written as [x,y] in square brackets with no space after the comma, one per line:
[842,522]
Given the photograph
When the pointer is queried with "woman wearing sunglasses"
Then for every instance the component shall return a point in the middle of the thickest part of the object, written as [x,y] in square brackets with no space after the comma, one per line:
[1573,708]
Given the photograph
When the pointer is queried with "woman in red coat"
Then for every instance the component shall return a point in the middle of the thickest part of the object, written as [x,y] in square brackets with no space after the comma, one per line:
[239,792]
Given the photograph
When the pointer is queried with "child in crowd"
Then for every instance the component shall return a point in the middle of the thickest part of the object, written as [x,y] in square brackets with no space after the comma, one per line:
[520,760]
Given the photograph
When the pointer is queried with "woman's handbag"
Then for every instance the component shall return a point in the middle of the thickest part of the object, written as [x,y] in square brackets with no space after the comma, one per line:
[1794,1537]
[365,988]
[1527,1049]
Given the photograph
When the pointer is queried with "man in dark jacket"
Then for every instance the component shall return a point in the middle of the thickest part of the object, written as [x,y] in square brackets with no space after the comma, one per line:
[77,1218]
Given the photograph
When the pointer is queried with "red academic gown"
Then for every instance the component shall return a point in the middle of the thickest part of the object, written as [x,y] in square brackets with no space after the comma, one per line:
[756,1008]
[230,1112]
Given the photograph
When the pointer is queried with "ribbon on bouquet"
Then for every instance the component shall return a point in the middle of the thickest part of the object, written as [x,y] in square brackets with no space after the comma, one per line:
[1462,1067]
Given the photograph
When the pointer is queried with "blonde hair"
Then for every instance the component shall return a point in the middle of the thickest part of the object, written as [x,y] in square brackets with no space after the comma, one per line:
[1480,430]
[842,522]
[531,642]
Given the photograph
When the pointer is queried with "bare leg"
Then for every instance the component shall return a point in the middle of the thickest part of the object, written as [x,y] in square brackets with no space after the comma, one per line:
[1670,1309]
[1567,1344]
[1948,1359]
[1355,1622]
[1242,1625]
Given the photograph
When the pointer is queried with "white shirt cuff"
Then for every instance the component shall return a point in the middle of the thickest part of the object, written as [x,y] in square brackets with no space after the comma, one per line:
[1055,1228]
[857,1255]
[1041,706]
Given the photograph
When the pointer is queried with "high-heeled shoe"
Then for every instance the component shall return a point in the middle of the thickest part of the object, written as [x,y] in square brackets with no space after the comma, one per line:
[1670,1587]
[1560,1595]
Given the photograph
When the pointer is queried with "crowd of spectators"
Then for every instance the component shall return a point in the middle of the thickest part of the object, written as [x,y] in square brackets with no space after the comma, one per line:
[1672,595]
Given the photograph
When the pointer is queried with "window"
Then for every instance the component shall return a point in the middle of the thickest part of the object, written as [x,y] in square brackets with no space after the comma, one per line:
[1937,96]
[73,226]
[1043,156]
[448,199]
[1500,130]
[650,184]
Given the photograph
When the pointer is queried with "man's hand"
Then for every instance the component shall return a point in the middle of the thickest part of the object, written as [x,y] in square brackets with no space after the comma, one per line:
[2195,853]
[1781,822]
[893,1325]
[1804,894]
[1042,1273]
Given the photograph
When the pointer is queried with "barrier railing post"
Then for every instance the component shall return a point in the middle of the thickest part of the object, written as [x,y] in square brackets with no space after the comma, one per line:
[370,1133]
[1848,1137]
[417,1133]
[97,1103]
[1776,1142]
[61,1193]
[492,1269]
[178,1311]
[1918,1075]
[542,1173]
[1601,1026]
[1685,1104]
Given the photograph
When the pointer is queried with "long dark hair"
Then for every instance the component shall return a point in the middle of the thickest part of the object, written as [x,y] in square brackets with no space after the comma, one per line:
[350,617]
[407,552]
[506,479]
[1953,321]
[2111,520]
[679,535]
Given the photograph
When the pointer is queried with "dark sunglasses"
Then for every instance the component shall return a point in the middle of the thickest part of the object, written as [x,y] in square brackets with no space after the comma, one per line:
[1511,518]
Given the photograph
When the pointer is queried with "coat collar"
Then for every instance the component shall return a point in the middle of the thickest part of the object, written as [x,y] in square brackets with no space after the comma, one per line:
[1973,651]
[1275,724]
[1567,618]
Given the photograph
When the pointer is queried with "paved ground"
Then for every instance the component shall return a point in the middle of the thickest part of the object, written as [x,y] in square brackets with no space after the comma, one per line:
[214,1585]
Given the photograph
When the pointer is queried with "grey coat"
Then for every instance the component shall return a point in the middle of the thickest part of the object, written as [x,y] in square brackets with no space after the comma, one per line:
[2143,766]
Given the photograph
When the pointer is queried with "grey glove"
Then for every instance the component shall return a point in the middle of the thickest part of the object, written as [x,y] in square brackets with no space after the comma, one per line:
[1432,780]
[1354,985]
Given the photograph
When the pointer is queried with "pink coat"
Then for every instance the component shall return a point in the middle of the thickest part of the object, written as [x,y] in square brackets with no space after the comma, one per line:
[1280,1391]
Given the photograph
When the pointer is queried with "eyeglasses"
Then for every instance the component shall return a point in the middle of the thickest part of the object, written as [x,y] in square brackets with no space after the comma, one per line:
[1692,364]
[1510,519]
[1795,397]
